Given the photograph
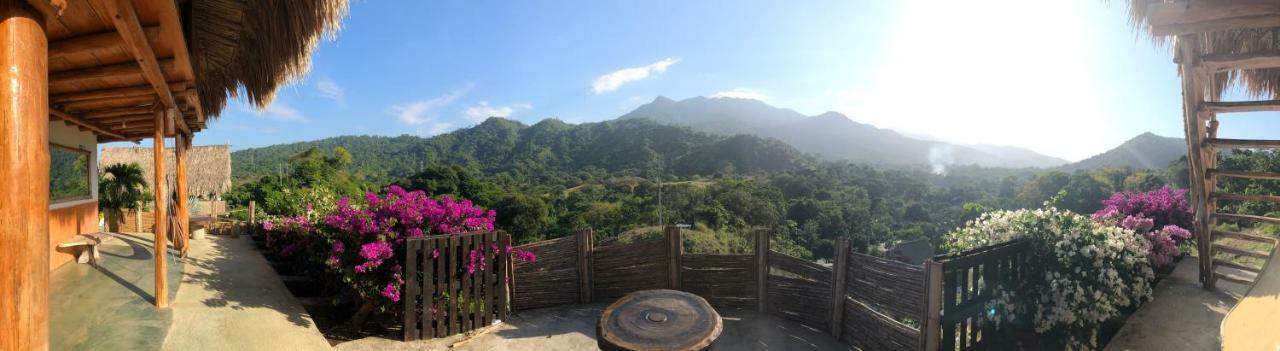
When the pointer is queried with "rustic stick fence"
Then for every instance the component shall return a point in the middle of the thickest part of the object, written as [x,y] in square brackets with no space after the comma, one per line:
[869,302]
[454,283]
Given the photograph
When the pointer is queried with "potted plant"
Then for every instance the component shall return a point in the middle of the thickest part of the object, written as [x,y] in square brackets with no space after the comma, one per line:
[121,187]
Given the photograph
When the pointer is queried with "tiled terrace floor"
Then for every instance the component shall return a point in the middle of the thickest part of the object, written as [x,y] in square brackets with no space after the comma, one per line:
[573,328]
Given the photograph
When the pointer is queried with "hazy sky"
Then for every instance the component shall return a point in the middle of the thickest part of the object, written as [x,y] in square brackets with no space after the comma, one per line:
[1065,78]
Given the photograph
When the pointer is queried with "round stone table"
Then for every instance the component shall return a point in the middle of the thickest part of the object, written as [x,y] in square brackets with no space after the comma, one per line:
[658,320]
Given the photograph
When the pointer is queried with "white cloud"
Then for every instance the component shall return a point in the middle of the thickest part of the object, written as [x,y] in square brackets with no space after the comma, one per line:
[435,128]
[741,93]
[419,112]
[278,111]
[482,111]
[612,81]
[330,89]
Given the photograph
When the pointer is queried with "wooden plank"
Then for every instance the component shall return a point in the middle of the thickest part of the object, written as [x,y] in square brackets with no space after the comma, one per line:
[1241,143]
[90,44]
[91,74]
[125,19]
[584,246]
[411,285]
[762,270]
[1233,264]
[1243,236]
[1240,106]
[838,275]
[490,243]
[504,240]
[675,249]
[1218,247]
[931,332]
[1243,197]
[468,281]
[1243,174]
[1233,278]
[440,286]
[1247,61]
[1251,218]
[1191,17]
[69,118]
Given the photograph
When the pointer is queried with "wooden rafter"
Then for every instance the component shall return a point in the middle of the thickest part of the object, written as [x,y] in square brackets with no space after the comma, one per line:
[1241,143]
[118,112]
[1256,60]
[125,19]
[1241,106]
[69,118]
[1200,16]
[91,74]
[93,43]
[109,93]
[1244,174]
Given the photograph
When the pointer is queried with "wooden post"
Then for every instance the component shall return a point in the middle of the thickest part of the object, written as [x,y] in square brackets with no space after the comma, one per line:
[762,270]
[675,253]
[252,212]
[24,179]
[931,328]
[838,274]
[586,252]
[1192,96]
[137,219]
[504,276]
[161,212]
[182,232]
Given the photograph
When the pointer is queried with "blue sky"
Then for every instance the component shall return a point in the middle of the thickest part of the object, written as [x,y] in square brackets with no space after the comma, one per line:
[1071,84]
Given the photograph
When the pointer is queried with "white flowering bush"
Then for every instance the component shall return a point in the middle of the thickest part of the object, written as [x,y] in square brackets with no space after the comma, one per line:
[1080,274]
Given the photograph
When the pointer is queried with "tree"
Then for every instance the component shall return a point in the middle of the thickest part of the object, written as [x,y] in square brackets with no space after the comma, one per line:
[121,187]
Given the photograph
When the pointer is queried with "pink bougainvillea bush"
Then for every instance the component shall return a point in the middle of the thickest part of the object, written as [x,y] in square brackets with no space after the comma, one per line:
[1161,216]
[363,244]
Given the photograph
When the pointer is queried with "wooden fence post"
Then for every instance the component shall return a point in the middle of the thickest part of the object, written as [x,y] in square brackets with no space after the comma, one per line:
[931,328]
[137,219]
[252,206]
[586,253]
[675,251]
[762,270]
[838,274]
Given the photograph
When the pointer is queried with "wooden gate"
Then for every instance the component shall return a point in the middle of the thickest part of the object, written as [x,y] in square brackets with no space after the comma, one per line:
[960,286]
[455,283]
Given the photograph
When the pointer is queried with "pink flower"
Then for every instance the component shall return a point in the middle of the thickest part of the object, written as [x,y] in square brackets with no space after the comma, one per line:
[391,291]
[267,225]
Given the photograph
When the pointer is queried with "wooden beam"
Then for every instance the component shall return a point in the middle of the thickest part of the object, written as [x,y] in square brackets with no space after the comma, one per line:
[171,29]
[1244,174]
[117,112]
[1193,83]
[161,213]
[93,74]
[1217,247]
[130,118]
[1243,236]
[125,19]
[95,43]
[1244,217]
[1243,197]
[1200,16]
[181,232]
[1241,143]
[1241,106]
[1233,278]
[99,104]
[1226,62]
[24,179]
[1233,264]
[139,90]
[69,118]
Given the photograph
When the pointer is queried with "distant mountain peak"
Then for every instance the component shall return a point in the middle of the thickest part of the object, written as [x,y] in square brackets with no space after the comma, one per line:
[1144,151]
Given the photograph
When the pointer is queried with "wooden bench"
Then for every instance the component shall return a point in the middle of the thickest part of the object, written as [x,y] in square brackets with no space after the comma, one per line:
[87,245]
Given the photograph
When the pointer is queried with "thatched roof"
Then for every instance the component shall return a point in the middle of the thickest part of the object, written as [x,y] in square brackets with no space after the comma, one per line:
[208,167]
[253,47]
[1260,83]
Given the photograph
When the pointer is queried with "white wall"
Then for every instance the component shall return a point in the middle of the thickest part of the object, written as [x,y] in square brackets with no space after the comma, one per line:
[68,135]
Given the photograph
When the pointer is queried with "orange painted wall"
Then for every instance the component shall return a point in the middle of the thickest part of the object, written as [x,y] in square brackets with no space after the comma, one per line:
[65,223]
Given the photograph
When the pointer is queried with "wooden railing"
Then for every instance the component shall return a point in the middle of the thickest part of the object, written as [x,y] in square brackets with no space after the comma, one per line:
[960,286]
[443,296]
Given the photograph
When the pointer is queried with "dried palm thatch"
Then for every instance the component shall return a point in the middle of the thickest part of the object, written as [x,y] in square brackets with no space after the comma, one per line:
[253,47]
[1259,83]
[208,167]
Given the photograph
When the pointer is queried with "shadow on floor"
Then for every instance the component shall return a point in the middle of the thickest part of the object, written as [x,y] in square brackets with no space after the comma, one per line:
[237,277]
[111,306]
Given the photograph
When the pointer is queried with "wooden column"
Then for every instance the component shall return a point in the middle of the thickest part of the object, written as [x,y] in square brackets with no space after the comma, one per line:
[161,212]
[1192,97]
[182,232]
[838,274]
[586,253]
[675,254]
[24,179]
[762,270]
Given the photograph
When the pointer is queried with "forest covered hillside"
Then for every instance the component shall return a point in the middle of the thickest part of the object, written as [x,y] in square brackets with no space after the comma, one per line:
[1145,151]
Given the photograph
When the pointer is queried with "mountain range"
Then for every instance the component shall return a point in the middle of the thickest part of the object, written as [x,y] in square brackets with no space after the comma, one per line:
[831,135]
[1146,150]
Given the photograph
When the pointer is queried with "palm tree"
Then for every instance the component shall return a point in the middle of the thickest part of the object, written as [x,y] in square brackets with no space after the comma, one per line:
[121,187]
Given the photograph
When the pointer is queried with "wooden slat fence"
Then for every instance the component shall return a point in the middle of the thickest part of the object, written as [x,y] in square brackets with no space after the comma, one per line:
[441,297]
[551,280]
[621,269]
[960,289]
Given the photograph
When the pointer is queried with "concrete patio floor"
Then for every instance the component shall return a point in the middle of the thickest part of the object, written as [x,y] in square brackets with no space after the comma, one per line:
[573,328]
[1182,315]
[111,306]
[231,299]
